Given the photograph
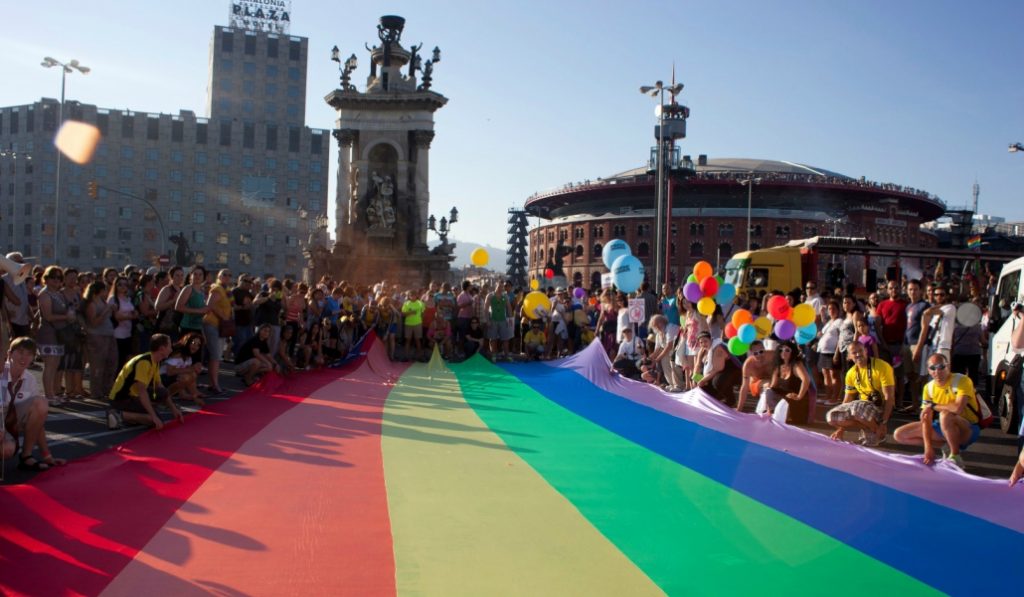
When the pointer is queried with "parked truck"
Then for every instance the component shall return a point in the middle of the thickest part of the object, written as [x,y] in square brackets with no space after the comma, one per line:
[1005,374]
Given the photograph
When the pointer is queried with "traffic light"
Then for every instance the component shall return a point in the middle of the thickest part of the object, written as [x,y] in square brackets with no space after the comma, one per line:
[93,189]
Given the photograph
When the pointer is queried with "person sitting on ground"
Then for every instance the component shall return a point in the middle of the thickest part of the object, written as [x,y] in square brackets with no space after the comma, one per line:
[284,360]
[721,374]
[25,409]
[757,370]
[254,357]
[790,382]
[630,355]
[181,369]
[474,340]
[869,400]
[138,387]
[535,341]
[949,414]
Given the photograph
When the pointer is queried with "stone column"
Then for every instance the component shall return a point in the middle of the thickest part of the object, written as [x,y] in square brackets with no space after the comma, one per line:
[343,196]
[422,140]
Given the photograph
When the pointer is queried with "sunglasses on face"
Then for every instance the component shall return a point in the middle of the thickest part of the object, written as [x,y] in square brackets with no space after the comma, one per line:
[757,353]
[937,367]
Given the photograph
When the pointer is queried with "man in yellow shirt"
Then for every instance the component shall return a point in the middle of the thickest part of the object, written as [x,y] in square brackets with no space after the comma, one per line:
[534,341]
[870,397]
[949,414]
[138,386]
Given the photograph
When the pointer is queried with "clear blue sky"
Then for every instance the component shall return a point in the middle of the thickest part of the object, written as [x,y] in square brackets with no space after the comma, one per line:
[922,93]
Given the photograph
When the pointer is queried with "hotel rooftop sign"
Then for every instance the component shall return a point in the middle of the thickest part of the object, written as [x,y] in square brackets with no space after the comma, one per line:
[272,16]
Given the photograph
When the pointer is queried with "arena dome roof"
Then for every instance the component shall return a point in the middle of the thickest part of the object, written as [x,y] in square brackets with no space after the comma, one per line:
[743,165]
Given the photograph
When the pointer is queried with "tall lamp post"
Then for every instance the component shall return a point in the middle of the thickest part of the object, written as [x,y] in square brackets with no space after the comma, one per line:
[671,126]
[750,182]
[65,68]
[15,157]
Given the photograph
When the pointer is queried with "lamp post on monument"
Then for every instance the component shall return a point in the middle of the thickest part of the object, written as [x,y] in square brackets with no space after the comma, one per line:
[69,67]
[671,126]
[444,228]
[345,69]
[750,182]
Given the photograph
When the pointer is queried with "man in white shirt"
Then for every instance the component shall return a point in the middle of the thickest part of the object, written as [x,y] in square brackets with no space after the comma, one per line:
[25,409]
[937,323]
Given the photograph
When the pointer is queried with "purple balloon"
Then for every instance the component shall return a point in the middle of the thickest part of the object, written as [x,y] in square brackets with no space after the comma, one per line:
[785,329]
[579,293]
[692,292]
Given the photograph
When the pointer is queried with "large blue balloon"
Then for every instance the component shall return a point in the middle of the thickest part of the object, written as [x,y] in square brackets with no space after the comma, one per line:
[806,333]
[726,292]
[613,250]
[627,273]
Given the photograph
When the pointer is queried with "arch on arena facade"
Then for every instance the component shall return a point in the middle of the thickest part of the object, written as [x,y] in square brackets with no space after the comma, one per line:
[696,249]
[643,250]
[598,248]
[595,280]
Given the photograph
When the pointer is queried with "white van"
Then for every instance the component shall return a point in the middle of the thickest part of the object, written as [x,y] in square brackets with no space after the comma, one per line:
[1005,398]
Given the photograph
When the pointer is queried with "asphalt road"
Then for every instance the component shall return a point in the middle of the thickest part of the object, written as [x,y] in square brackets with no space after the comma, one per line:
[80,429]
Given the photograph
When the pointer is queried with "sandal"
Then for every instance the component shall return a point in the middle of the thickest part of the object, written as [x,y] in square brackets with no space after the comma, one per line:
[37,465]
[50,461]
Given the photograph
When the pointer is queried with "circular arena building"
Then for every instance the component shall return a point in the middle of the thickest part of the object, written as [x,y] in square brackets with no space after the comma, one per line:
[709,212]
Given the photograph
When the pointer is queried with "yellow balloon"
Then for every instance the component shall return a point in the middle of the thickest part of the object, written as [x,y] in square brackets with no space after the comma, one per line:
[706,306]
[534,284]
[803,314]
[763,326]
[479,257]
[536,305]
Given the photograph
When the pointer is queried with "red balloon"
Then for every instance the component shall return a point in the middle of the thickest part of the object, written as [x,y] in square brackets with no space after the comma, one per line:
[778,307]
[730,329]
[709,286]
[549,273]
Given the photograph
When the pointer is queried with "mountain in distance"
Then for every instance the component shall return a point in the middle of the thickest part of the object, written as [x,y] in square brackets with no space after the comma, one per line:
[464,248]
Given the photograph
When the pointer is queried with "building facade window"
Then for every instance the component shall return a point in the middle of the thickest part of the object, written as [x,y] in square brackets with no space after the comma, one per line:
[696,249]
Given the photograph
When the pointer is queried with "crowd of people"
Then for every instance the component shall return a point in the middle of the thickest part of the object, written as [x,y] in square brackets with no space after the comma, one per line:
[146,337]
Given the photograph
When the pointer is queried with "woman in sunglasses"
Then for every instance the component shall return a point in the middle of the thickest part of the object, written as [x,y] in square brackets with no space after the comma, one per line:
[790,382]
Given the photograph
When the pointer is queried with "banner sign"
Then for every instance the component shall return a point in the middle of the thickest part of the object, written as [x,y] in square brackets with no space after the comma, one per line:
[606,280]
[272,16]
[636,310]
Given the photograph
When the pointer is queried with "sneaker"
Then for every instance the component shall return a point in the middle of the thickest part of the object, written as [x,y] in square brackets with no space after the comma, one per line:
[874,439]
[957,460]
[945,451]
[114,419]
[862,437]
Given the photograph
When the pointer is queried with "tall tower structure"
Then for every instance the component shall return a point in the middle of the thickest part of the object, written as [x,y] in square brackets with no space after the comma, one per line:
[518,239]
[384,134]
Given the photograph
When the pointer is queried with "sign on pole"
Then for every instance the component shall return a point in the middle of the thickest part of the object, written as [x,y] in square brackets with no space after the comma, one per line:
[165,260]
[636,310]
[606,281]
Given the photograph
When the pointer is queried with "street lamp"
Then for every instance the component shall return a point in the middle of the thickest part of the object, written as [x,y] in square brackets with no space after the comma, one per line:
[351,63]
[1015,147]
[15,156]
[664,137]
[69,67]
[445,225]
[750,182]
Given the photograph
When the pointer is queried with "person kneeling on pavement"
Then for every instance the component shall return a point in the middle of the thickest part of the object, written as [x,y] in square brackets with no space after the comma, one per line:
[870,397]
[949,414]
[254,357]
[25,408]
[138,387]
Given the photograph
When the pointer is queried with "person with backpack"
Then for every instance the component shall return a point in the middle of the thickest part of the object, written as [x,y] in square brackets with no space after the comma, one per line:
[951,414]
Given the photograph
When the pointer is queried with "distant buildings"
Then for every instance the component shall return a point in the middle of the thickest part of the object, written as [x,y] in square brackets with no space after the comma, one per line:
[243,185]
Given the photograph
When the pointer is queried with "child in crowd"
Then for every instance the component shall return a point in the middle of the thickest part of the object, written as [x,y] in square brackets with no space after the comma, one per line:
[866,337]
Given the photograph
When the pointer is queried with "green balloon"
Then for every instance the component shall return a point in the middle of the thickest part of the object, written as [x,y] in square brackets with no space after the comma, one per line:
[720,281]
[738,347]
[691,278]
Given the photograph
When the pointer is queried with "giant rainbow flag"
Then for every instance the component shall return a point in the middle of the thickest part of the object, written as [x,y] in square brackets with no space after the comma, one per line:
[385,478]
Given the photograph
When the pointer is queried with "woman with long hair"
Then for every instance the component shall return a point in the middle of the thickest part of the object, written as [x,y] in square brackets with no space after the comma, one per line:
[124,316]
[606,321]
[101,347]
[829,361]
[690,324]
[73,362]
[54,317]
[168,318]
[180,371]
[219,311]
[790,382]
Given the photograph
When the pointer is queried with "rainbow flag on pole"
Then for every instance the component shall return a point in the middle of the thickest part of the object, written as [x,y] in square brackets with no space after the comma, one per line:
[558,478]
[974,242]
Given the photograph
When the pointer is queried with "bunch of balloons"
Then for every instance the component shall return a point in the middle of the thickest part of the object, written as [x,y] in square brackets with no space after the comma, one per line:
[790,323]
[706,289]
[627,270]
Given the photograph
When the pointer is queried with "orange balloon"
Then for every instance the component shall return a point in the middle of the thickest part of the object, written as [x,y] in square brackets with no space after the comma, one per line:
[702,269]
[740,317]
